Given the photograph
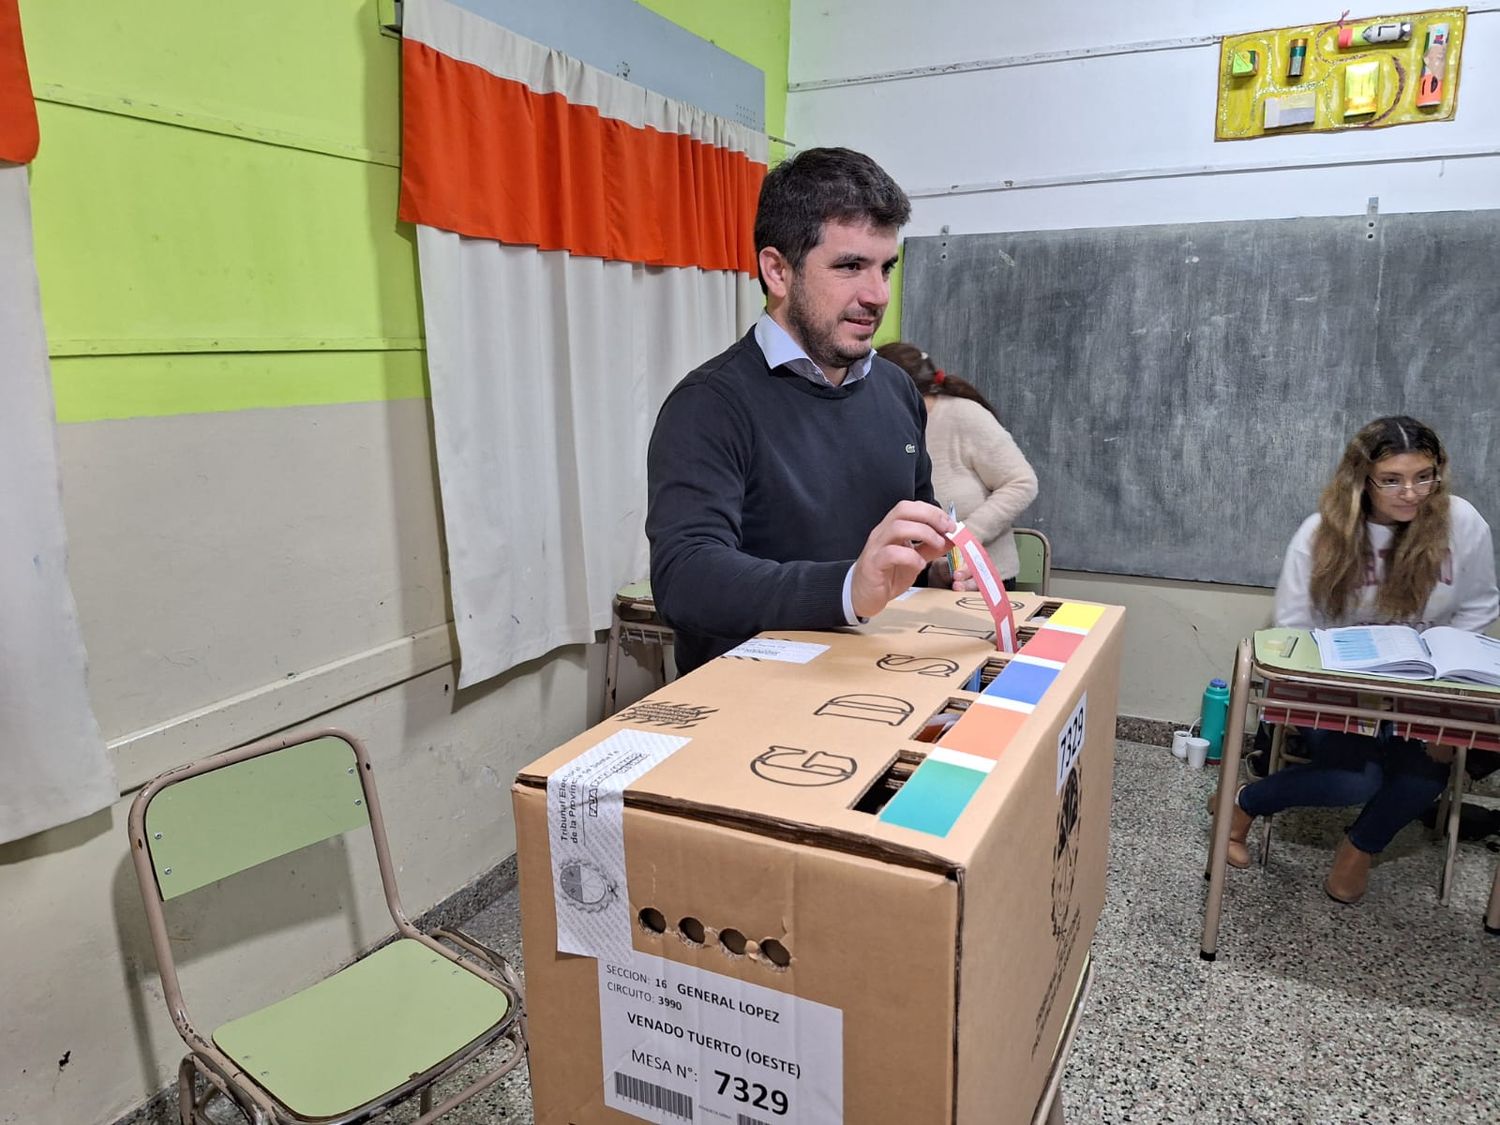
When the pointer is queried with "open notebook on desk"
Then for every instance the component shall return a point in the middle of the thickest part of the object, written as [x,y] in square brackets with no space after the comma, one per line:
[1441,653]
[1301,692]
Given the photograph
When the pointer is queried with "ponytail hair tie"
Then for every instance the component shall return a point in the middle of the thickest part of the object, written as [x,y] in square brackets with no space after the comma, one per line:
[938,376]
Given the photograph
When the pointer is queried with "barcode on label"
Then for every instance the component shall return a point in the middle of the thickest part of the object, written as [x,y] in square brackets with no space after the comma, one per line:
[657,1097]
[741,1119]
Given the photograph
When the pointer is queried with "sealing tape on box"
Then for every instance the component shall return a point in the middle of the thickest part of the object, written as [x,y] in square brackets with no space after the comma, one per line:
[586,832]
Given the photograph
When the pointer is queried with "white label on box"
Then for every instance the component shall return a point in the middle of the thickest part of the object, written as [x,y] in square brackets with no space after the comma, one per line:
[586,832]
[769,648]
[683,1044]
[1070,742]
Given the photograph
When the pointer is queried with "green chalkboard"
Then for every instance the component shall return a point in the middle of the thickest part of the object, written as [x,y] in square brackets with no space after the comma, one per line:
[1184,391]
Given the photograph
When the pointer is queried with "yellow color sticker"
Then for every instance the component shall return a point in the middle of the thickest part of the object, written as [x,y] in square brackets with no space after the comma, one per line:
[1077,616]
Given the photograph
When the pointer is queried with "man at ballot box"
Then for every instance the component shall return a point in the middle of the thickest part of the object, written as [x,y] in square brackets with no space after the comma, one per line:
[788,477]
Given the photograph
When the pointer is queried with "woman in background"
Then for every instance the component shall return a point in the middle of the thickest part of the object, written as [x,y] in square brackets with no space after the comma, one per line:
[976,465]
[1389,544]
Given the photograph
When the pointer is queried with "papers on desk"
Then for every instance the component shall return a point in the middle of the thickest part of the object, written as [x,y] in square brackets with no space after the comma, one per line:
[1441,653]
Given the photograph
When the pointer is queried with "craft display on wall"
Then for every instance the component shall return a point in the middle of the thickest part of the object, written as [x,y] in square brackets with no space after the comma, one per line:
[1349,74]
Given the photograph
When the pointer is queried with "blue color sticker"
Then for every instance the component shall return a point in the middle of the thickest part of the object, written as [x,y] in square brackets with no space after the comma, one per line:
[1022,682]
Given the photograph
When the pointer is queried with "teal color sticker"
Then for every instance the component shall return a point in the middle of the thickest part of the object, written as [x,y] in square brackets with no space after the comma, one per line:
[933,799]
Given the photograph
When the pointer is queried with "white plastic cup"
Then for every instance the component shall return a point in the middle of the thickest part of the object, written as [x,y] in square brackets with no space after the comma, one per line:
[1179,743]
[1197,752]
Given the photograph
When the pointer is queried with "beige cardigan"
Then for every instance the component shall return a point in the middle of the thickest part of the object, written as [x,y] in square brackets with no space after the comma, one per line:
[978,468]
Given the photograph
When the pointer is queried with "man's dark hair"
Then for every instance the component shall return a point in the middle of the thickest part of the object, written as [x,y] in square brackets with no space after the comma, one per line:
[819,185]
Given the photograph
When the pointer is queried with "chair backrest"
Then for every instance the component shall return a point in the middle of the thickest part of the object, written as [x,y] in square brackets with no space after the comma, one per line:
[1035,550]
[202,822]
[231,812]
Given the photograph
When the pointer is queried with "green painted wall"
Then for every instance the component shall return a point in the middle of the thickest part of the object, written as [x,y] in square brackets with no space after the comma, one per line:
[214,205]
[890,327]
[758,31]
[215,199]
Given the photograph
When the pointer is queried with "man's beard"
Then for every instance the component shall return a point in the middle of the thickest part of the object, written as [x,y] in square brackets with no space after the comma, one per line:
[820,341]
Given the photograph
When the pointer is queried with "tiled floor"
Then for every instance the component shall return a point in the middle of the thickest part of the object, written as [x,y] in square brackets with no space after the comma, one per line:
[1388,1011]
[1314,1012]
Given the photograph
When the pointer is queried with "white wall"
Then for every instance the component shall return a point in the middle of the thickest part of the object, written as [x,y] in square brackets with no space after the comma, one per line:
[1131,113]
[1118,135]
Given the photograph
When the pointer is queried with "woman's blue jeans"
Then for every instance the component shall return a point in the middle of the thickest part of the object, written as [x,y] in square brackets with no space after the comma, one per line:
[1392,777]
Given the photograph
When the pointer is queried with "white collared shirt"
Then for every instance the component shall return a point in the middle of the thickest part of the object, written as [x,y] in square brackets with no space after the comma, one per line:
[780,350]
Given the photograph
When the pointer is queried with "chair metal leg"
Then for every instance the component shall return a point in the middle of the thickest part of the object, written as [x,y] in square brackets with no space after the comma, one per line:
[1455,811]
[1492,916]
[1278,749]
[1234,728]
[424,1100]
[612,666]
[518,1056]
[659,648]
[187,1094]
[1273,763]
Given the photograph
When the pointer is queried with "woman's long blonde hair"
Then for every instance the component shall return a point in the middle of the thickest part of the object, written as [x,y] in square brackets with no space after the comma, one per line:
[1341,554]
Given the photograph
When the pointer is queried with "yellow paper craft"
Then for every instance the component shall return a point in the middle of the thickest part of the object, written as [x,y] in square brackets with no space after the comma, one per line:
[1414,78]
[1361,87]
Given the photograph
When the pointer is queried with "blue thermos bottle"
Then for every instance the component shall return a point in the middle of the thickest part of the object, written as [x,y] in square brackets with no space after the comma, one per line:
[1215,712]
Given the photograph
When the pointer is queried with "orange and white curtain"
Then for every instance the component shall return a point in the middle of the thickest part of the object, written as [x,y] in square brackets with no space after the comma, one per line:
[18,130]
[54,766]
[583,243]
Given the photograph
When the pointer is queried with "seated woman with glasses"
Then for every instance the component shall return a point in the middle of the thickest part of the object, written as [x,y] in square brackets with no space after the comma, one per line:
[1389,545]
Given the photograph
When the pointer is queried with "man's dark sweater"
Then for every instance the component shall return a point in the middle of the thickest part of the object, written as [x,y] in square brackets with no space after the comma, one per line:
[763,488]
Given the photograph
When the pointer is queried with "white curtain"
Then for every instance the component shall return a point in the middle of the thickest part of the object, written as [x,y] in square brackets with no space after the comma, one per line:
[548,366]
[53,764]
[547,371]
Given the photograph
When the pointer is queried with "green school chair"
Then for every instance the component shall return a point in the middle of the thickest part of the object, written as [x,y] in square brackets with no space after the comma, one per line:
[1035,550]
[390,1025]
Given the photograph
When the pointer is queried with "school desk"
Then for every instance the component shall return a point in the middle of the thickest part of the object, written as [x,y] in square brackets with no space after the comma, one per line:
[635,620]
[1278,673]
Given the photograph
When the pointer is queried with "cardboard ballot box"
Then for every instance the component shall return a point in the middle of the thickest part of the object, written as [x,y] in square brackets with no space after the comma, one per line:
[760,896]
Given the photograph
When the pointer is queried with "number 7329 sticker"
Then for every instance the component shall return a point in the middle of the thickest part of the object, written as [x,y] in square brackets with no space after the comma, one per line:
[752,1093]
[683,1045]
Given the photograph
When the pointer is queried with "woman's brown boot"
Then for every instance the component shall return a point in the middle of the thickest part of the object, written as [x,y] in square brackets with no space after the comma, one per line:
[1350,874]
[1240,821]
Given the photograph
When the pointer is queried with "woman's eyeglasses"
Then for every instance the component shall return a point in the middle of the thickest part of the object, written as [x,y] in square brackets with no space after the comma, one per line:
[1422,485]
